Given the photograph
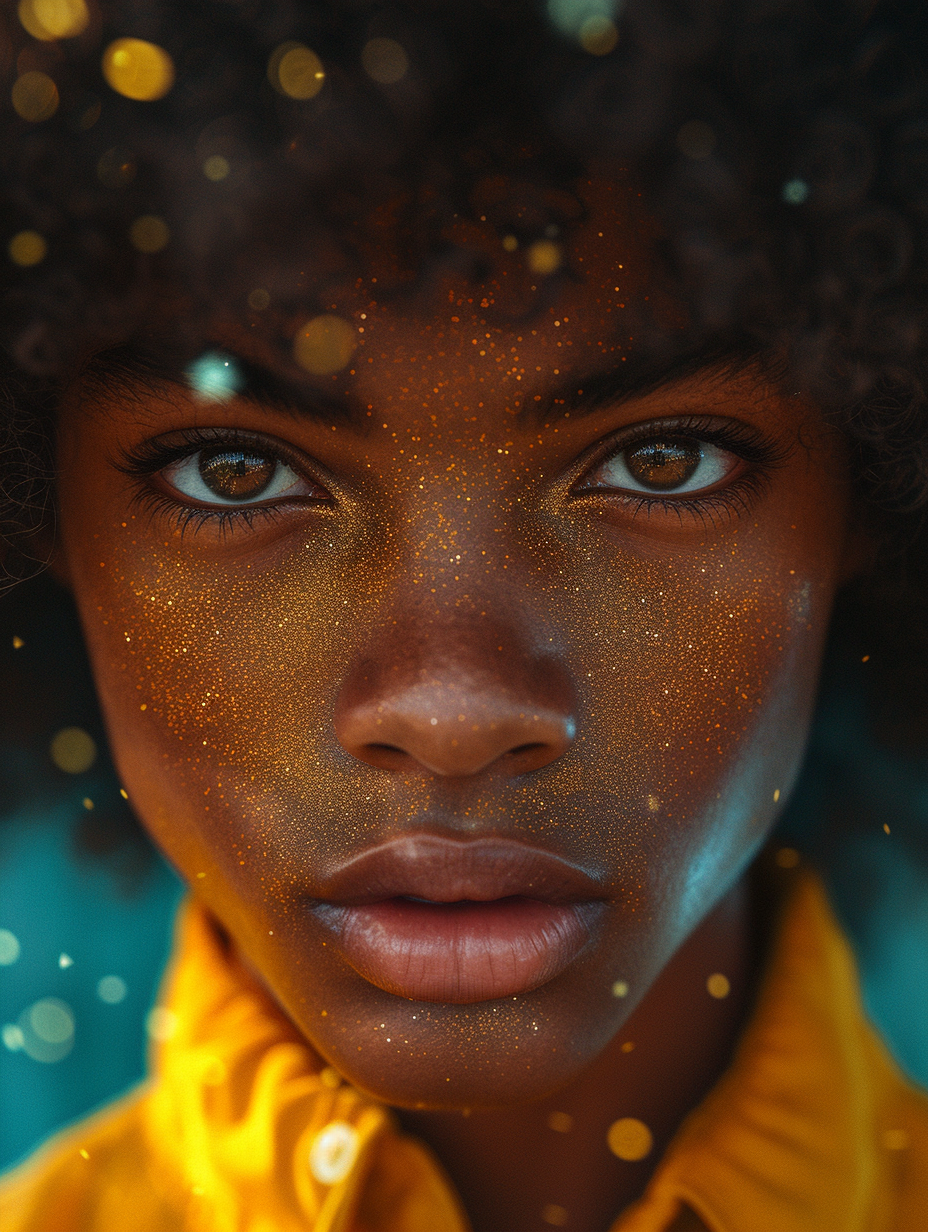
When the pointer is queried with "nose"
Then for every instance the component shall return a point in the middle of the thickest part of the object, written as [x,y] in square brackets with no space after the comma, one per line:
[459,715]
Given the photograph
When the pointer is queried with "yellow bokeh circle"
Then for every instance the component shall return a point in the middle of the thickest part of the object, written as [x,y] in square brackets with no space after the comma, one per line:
[27,248]
[325,345]
[216,168]
[598,36]
[34,96]
[630,1139]
[73,750]
[149,233]
[137,69]
[295,70]
[384,60]
[544,257]
[53,19]
[718,986]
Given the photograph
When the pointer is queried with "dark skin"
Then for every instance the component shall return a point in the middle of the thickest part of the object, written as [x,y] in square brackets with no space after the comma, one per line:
[457,615]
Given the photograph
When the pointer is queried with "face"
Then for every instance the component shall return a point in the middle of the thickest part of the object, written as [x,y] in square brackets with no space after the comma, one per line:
[464,705]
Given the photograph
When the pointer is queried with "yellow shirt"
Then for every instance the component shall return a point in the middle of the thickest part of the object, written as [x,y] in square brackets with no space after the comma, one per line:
[244,1129]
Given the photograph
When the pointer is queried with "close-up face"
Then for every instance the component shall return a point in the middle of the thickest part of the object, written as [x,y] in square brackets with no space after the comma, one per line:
[462,683]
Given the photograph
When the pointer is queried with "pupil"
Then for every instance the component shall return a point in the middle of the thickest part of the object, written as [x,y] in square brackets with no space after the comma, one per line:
[235,474]
[663,464]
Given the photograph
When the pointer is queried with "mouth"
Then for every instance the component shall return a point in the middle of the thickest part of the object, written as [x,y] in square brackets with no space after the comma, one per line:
[459,921]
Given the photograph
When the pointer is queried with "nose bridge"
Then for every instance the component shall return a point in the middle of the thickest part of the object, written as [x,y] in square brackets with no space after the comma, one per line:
[452,681]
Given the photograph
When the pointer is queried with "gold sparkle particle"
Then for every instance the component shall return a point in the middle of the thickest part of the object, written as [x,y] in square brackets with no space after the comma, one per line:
[696,140]
[384,61]
[896,1139]
[554,1215]
[149,233]
[787,857]
[598,36]
[885,828]
[53,19]
[124,793]
[216,167]
[34,96]
[510,243]
[18,643]
[630,1139]
[653,804]
[330,1078]
[27,248]
[560,1122]
[258,299]
[628,1046]
[324,345]
[776,795]
[84,1153]
[296,71]
[138,70]
[73,750]
[544,257]
[718,986]
[620,989]
[88,803]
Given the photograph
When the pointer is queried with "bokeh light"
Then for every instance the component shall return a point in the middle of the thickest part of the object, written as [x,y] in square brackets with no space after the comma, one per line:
[296,71]
[216,167]
[53,19]
[9,947]
[598,36]
[630,1139]
[696,139]
[258,299]
[112,989]
[73,750]
[34,96]
[718,986]
[27,248]
[620,989]
[161,1024]
[573,17]
[138,70]
[47,1030]
[795,192]
[544,257]
[149,233]
[384,60]
[325,345]
[215,377]
[555,1215]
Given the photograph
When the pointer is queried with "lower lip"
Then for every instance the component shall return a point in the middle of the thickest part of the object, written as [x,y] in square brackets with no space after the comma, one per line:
[460,953]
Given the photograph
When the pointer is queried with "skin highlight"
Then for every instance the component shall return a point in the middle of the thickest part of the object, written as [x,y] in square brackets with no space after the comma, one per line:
[460,630]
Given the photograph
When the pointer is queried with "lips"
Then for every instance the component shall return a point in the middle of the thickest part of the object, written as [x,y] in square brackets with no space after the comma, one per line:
[459,921]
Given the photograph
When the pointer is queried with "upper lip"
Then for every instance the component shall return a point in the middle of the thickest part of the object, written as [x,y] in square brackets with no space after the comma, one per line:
[438,869]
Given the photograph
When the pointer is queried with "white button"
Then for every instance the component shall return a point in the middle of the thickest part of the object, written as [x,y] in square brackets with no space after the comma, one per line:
[333,1152]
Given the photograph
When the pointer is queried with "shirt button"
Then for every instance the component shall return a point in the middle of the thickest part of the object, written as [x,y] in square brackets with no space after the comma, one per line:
[333,1152]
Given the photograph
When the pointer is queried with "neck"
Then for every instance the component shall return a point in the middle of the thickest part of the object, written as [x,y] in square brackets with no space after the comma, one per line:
[549,1164]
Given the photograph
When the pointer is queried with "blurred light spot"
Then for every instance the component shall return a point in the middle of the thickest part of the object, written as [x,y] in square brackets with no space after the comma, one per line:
[115,169]
[598,36]
[138,70]
[620,989]
[161,1023]
[560,1122]
[73,750]
[718,986]
[258,299]
[384,60]
[216,167]
[795,192]
[84,1153]
[330,1078]
[696,139]
[776,795]
[333,1152]
[885,828]
[510,243]
[149,233]
[570,16]
[628,1046]
[787,857]
[554,1215]
[215,376]
[53,19]
[9,948]
[325,345]
[653,804]
[34,96]
[48,1030]
[18,643]
[27,248]
[65,961]
[896,1139]
[124,793]
[88,803]
[544,257]
[112,989]
[295,70]
[12,1037]
[629,1139]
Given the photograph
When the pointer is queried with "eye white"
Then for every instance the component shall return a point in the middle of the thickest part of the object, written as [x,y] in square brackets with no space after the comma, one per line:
[713,466]
[184,475]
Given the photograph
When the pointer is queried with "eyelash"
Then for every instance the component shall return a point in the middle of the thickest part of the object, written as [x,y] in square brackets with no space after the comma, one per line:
[151,457]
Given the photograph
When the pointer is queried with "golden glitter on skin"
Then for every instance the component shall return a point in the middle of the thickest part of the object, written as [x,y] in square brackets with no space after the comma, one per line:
[457,565]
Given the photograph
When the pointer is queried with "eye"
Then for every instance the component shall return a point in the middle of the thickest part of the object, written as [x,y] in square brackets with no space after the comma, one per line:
[235,476]
[665,465]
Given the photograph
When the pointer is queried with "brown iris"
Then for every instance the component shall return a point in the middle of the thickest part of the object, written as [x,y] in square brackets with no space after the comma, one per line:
[236,474]
[663,464]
